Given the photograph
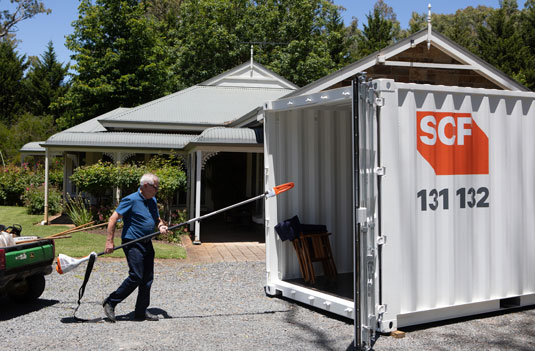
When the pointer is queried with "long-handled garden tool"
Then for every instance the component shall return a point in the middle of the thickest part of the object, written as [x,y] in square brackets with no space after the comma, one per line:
[66,264]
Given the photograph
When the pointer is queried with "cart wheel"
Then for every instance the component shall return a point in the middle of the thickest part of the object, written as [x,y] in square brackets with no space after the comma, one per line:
[28,290]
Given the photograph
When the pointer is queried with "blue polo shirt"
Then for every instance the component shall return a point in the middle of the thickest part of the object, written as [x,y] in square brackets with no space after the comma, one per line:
[140,215]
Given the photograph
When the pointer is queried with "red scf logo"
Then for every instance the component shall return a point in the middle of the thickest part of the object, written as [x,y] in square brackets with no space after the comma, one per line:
[452,143]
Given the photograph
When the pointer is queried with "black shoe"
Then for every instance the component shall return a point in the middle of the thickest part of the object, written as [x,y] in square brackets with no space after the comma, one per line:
[147,317]
[109,310]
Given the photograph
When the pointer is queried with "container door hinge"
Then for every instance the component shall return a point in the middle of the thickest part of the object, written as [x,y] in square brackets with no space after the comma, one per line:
[380,171]
[379,102]
[361,214]
[381,240]
[381,309]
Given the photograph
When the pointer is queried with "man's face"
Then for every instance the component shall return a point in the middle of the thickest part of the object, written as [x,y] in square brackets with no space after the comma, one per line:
[150,190]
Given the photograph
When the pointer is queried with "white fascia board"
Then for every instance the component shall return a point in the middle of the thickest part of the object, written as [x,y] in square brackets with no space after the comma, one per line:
[342,76]
[234,73]
[387,53]
[460,56]
[247,118]
[135,149]
[247,148]
[428,65]
[122,125]
[369,62]
[283,82]
[301,101]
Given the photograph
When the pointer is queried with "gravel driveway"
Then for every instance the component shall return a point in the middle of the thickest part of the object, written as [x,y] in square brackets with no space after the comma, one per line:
[220,306]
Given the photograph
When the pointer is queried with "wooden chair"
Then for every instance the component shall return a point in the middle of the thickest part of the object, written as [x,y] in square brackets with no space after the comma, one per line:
[314,247]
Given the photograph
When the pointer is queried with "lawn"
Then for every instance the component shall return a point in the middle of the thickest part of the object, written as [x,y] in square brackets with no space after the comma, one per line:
[81,243]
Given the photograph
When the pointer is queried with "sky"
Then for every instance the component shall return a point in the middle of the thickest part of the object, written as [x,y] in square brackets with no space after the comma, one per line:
[35,33]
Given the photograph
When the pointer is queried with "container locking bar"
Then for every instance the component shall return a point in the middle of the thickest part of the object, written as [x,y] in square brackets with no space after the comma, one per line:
[361,215]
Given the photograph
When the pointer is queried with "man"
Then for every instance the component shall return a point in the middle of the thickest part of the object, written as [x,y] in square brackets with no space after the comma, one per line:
[140,216]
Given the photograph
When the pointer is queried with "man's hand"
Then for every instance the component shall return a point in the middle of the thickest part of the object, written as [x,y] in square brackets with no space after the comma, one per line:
[163,229]
[109,246]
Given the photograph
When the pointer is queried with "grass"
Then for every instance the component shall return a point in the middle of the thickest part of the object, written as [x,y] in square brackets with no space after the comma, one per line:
[81,243]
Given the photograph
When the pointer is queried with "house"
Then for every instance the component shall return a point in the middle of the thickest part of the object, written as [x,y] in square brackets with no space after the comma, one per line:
[212,125]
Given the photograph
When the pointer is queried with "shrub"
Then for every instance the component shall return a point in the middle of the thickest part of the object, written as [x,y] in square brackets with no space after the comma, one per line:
[173,236]
[127,177]
[94,179]
[79,210]
[15,179]
[172,179]
[55,178]
[102,213]
[34,200]
[13,182]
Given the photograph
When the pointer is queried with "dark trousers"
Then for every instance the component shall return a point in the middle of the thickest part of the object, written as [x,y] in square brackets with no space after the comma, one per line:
[140,257]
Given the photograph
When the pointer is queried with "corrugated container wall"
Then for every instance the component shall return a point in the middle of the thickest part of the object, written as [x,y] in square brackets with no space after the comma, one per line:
[460,223]
[316,145]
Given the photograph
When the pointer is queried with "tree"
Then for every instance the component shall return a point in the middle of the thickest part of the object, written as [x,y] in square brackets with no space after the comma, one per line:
[30,128]
[500,42]
[527,22]
[387,12]
[25,129]
[315,37]
[376,35]
[301,40]
[163,9]
[206,39]
[119,60]
[12,67]
[417,22]
[46,83]
[353,33]
[24,9]
[461,27]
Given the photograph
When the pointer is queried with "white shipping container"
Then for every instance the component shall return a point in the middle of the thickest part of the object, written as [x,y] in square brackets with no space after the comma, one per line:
[427,190]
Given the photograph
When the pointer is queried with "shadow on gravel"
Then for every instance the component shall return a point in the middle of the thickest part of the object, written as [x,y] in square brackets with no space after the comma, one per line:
[12,310]
[501,339]
[318,339]
[164,315]
[467,319]
[71,320]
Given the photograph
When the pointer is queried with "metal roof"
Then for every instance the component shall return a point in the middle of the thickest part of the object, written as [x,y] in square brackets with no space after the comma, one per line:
[198,105]
[34,147]
[199,108]
[93,125]
[218,135]
[120,140]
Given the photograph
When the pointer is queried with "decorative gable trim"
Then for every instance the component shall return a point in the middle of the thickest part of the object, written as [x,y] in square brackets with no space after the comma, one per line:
[250,75]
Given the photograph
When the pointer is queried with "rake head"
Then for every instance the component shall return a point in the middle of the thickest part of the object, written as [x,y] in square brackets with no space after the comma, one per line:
[66,263]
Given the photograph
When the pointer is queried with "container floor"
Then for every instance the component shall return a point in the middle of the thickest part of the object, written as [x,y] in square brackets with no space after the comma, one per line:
[342,287]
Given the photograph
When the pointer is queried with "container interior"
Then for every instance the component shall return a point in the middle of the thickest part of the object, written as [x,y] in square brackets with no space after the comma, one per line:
[312,148]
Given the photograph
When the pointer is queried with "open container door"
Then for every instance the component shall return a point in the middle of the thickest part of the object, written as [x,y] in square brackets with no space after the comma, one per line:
[308,140]
[366,186]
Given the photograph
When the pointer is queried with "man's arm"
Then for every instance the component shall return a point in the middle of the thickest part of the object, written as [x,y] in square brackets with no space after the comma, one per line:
[111,231]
